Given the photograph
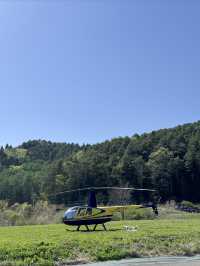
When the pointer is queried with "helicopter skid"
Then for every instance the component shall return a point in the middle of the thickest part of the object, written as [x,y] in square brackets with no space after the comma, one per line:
[88,221]
[94,229]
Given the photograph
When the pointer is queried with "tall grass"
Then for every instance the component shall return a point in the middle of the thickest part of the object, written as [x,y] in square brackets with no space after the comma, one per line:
[24,214]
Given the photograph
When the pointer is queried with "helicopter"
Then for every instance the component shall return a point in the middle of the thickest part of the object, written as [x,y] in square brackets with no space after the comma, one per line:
[91,214]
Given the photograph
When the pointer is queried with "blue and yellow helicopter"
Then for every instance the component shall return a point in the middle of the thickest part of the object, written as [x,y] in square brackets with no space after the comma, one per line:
[90,214]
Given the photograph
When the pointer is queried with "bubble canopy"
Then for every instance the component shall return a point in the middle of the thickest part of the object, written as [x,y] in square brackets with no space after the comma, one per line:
[71,213]
[80,212]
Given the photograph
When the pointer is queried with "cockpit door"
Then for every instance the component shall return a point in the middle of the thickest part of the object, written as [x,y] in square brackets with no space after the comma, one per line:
[81,211]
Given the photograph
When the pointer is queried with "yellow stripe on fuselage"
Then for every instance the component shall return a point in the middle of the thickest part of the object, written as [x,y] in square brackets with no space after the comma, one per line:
[112,209]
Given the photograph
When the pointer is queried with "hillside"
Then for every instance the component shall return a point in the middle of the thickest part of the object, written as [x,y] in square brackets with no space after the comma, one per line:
[167,159]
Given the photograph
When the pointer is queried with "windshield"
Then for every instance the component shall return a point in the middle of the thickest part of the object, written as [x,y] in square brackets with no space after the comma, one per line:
[70,213]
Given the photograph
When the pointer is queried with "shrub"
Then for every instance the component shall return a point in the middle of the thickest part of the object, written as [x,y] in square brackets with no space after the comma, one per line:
[139,214]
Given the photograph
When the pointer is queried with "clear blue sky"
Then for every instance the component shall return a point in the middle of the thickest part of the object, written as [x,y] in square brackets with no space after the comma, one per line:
[85,71]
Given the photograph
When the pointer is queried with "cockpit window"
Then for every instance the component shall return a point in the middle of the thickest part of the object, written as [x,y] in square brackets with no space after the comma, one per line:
[81,212]
[70,214]
[89,211]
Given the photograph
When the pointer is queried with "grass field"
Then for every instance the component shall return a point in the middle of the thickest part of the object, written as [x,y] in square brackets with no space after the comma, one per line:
[56,245]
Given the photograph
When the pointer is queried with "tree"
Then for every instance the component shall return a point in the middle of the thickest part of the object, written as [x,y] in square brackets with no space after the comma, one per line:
[192,164]
[163,165]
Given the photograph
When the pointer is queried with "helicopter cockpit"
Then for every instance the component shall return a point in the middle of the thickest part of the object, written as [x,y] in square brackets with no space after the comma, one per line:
[80,211]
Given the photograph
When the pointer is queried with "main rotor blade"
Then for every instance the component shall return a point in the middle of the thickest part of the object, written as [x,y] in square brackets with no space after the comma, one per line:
[72,190]
[102,188]
[125,188]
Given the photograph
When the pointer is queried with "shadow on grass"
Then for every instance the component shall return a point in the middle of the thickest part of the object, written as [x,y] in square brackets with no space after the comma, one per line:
[92,231]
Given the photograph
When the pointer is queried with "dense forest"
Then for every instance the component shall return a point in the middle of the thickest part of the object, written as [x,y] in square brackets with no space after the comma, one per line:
[167,160]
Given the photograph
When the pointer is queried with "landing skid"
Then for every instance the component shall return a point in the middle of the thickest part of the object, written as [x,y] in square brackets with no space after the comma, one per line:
[88,229]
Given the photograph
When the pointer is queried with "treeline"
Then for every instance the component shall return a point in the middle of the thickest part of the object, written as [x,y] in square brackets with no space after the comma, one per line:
[167,160]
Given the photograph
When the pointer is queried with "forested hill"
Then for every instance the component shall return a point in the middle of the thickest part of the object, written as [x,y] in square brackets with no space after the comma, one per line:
[167,159]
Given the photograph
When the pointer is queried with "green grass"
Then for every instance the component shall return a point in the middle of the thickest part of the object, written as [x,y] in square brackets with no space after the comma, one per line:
[54,244]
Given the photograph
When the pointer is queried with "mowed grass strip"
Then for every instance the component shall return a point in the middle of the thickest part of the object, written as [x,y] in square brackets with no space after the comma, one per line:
[59,245]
